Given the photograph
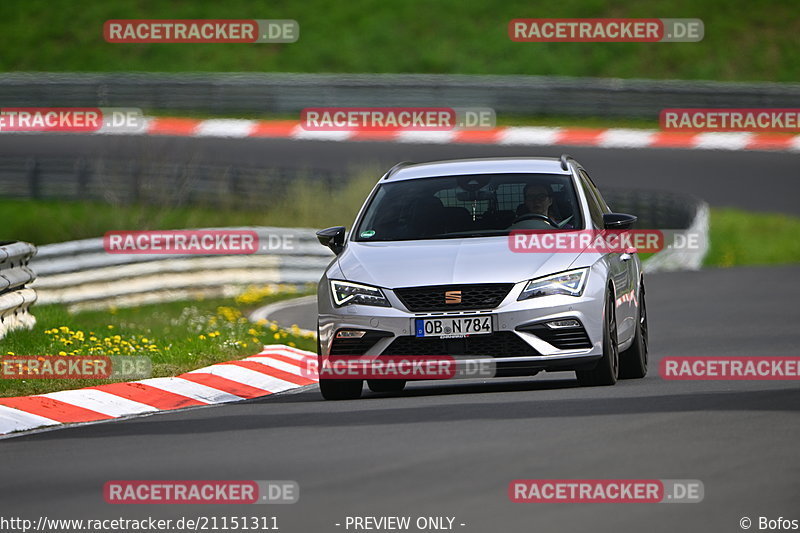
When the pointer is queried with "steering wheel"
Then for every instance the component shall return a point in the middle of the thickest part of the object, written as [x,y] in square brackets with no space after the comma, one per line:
[531,216]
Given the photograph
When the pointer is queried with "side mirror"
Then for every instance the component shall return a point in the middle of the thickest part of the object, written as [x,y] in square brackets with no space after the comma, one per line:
[333,238]
[618,221]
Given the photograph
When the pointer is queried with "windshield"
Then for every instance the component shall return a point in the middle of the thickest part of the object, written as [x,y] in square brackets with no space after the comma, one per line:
[469,206]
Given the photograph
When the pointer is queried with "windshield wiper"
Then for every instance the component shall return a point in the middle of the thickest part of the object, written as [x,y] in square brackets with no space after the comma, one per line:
[495,233]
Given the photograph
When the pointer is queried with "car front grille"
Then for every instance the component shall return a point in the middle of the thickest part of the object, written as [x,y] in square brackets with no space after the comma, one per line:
[498,344]
[460,297]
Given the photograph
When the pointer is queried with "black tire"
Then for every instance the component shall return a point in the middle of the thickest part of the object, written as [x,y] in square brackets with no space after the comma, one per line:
[341,389]
[386,385]
[607,368]
[633,361]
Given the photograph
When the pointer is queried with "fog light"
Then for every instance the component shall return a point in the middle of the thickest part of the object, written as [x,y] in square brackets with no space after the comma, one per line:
[570,323]
[350,334]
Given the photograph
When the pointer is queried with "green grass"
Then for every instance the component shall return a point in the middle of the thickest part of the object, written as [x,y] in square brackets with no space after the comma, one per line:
[743,238]
[743,40]
[178,337]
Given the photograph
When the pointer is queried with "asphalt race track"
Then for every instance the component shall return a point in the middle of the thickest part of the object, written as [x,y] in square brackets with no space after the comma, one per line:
[757,181]
[452,449]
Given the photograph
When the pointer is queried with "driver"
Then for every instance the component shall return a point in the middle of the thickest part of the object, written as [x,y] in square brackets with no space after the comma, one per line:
[537,200]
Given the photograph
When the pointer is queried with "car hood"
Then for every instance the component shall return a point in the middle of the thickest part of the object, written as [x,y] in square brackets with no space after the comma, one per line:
[445,261]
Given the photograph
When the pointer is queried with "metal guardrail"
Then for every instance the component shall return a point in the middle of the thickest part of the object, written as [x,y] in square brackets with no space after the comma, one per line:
[241,187]
[124,181]
[289,93]
[15,297]
[84,276]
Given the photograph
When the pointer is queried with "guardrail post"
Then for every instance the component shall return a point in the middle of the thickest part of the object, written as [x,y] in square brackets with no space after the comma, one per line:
[135,173]
[82,178]
[34,186]
[234,184]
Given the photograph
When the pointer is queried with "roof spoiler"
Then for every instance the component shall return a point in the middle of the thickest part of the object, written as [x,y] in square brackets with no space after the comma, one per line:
[395,168]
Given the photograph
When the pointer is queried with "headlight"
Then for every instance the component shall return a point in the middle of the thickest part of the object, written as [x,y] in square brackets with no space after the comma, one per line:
[570,283]
[344,292]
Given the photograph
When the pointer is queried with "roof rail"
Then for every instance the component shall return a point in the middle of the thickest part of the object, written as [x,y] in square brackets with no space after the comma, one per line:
[395,168]
[564,157]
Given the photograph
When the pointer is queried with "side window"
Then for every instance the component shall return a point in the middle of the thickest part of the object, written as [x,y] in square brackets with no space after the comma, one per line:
[599,197]
[595,211]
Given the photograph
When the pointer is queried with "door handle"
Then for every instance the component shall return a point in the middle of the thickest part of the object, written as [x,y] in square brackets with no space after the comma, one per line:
[625,257]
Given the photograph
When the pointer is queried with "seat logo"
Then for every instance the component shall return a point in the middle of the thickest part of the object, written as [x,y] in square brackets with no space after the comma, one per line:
[452,297]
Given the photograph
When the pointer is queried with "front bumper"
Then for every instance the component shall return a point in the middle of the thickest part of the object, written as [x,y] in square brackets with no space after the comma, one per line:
[390,330]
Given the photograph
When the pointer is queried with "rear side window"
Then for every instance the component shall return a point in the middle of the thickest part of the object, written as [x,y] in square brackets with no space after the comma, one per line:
[600,200]
[595,209]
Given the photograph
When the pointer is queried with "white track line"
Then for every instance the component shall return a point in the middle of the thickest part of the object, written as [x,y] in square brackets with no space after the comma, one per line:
[100,402]
[280,365]
[432,137]
[190,389]
[529,136]
[15,420]
[247,377]
[722,140]
[226,128]
[626,138]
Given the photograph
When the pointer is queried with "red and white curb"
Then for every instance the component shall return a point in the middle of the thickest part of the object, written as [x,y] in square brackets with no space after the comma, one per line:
[277,368]
[508,135]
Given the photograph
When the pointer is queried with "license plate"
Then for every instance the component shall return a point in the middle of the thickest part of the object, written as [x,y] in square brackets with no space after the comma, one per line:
[453,327]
